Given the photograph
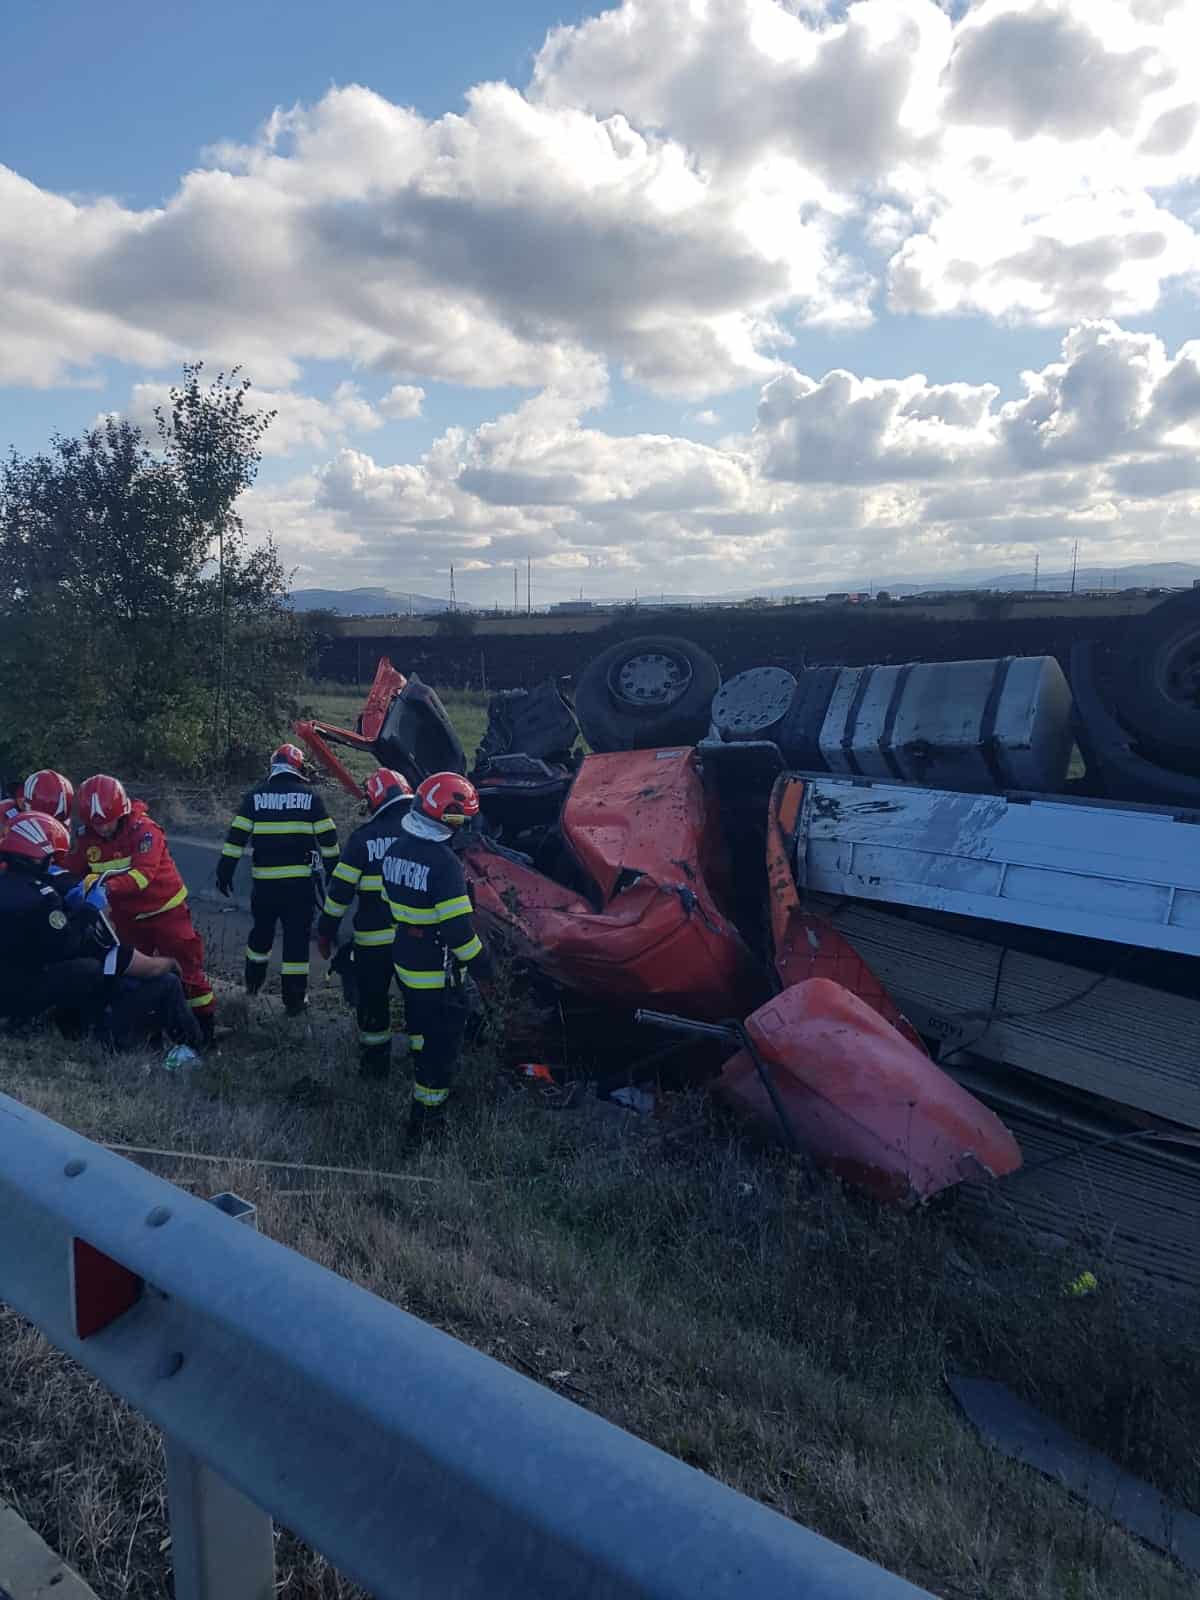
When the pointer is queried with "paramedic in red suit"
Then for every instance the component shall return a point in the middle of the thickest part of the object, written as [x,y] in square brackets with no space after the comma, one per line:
[147,898]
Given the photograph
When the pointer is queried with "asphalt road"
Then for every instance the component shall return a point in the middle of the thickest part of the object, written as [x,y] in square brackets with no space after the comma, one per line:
[222,924]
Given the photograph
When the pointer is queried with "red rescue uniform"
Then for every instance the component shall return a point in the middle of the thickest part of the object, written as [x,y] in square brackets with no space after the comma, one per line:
[147,898]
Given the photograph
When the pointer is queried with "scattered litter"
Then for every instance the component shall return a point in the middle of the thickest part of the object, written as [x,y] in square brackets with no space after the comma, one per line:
[1085,1283]
[635,1099]
[180,1058]
[537,1071]
[1025,1435]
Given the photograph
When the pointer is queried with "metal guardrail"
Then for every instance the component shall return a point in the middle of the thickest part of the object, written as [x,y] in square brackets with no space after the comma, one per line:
[416,1465]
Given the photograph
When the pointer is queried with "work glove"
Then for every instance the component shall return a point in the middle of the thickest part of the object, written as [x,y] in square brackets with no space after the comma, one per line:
[224,881]
[325,946]
[95,894]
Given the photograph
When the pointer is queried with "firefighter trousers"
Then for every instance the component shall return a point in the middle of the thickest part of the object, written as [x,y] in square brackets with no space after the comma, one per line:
[287,903]
[171,934]
[437,1025]
[373,973]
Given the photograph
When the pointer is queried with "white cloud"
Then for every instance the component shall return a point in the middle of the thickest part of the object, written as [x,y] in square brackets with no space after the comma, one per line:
[841,474]
[682,182]
[402,402]
[706,419]
[301,422]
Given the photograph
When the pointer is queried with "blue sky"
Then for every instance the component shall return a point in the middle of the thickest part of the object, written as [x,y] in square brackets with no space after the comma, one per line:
[588,319]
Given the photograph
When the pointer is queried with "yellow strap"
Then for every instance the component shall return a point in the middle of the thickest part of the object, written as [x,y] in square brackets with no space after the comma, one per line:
[460,906]
[416,916]
[282,872]
[257,955]
[426,1096]
[237,851]
[421,980]
[369,885]
[329,852]
[203,1000]
[176,899]
[140,878]
[273,828]
[294,969]
[333,908]
[375,936]
[115,864]
[416,1041]
[325,825]
[242,822]
[346,873]
[375,1038]
[468,951]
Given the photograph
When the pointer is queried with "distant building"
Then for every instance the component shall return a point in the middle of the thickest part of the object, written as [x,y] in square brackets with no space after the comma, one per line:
[569,607]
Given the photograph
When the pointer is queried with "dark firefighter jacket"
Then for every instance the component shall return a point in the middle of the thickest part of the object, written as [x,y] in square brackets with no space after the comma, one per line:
[283,820]
[360,872]
[424,885]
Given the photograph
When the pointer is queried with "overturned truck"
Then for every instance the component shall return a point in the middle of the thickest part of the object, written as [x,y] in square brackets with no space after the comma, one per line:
[884,902]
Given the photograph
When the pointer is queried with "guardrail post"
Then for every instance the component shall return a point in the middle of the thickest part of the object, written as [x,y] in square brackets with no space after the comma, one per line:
[222,1545]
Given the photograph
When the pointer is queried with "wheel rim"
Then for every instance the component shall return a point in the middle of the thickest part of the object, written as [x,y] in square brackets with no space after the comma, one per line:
[1177,671]
[650,680]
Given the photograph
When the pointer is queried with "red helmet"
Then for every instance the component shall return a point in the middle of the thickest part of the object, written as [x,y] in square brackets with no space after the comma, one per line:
[102,799]
[288,755]
[35,837]
[384,786]
[448,798]
[49,792]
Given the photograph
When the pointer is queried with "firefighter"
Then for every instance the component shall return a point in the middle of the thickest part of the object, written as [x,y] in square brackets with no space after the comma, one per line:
[58,953]
[46,792]
[389,796]
[50,793]
[285,822]
[424,885]
[147,897]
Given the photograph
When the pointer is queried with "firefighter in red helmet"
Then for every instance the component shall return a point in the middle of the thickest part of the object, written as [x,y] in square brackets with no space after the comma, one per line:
[435,937]
[46,792]
[147,897]
[59,955]
[284,822]
[358,873]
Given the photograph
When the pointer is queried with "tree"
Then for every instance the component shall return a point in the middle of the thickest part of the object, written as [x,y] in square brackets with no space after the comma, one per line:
[128,589]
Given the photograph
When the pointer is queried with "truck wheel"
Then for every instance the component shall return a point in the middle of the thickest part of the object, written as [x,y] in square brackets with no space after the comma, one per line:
[647,692]
[1158,678]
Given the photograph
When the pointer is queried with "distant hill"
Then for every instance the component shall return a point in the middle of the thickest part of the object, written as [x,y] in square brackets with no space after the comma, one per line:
[1144,575]
[364,602]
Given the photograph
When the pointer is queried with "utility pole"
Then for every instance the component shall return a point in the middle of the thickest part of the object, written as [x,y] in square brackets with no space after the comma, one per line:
[528,586]
[1037,561]
[453,597]
[516,601]
[1074,564]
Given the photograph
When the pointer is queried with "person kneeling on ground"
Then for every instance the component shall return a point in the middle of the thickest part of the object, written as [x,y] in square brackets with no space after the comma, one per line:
[59,956]
[424,885]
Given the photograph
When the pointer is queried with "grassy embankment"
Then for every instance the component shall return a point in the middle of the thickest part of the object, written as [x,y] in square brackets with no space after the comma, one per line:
[666,1274]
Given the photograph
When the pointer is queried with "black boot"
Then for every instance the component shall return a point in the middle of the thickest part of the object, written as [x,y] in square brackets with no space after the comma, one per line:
[425,1123]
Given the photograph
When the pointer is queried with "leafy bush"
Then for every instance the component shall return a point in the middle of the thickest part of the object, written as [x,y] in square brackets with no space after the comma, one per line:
[138,628]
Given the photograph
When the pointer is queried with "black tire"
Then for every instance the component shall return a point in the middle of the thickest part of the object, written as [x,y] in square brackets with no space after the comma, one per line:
[678,680]
[1158,682]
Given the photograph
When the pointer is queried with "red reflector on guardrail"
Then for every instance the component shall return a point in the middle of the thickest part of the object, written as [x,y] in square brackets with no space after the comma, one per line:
[103,1289]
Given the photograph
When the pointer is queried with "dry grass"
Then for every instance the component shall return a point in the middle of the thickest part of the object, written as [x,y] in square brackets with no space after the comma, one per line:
[689,1289]
[683,1281]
